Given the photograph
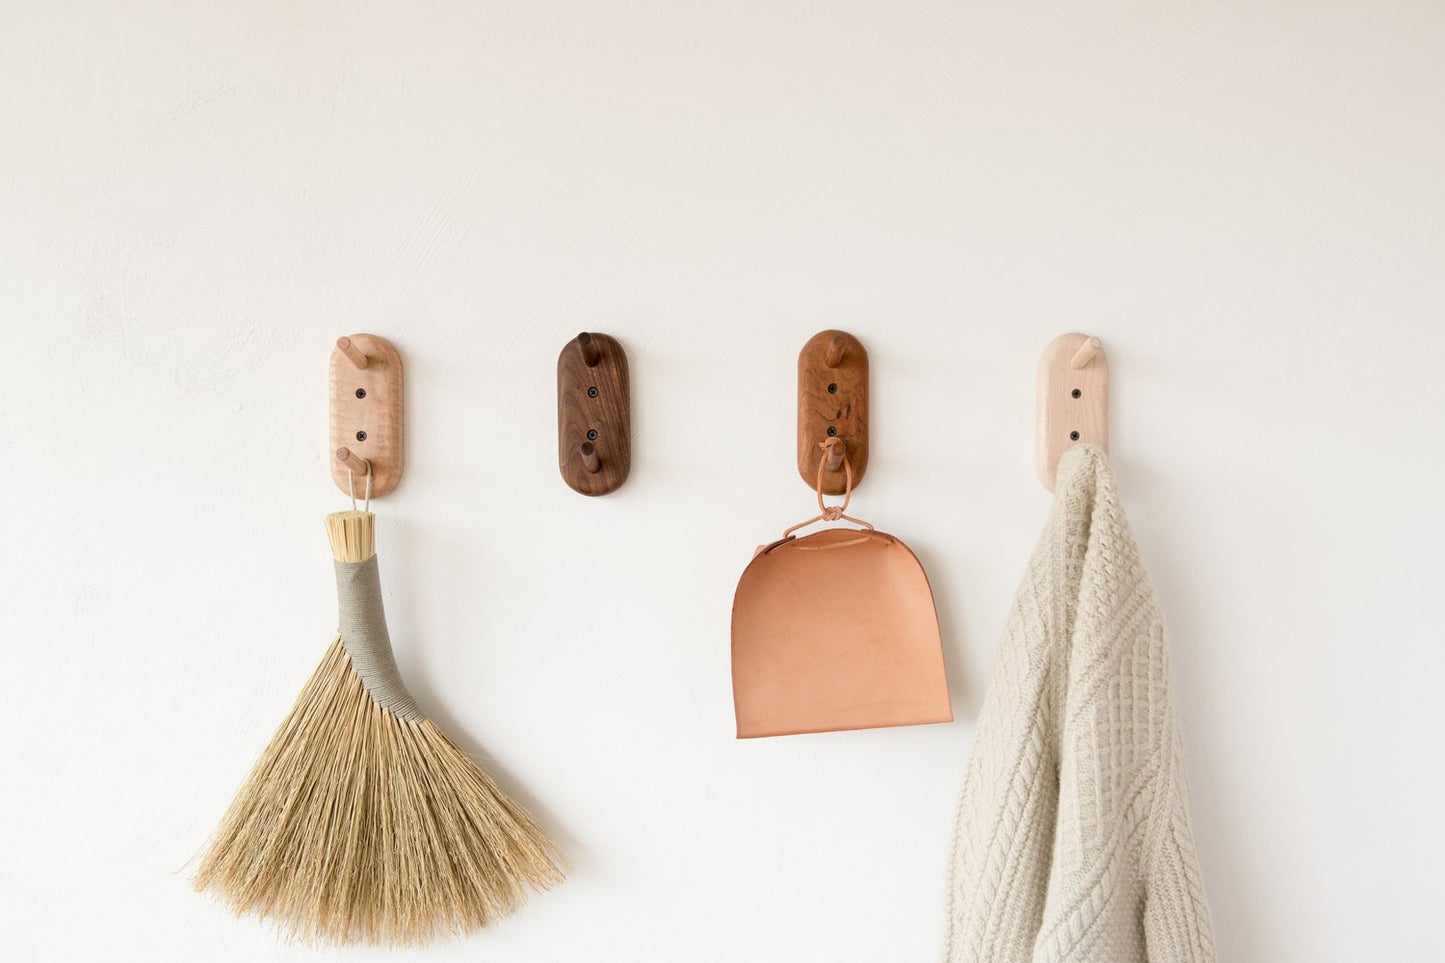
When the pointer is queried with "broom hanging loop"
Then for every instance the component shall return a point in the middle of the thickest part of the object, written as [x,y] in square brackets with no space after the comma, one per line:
[833,450]
[354,463]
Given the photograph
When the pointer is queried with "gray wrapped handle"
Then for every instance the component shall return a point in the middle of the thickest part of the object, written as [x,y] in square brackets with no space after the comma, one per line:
[362,626]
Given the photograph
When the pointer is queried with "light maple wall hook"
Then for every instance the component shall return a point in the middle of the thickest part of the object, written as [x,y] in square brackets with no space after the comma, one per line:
[1085,354]
[352,462]
[367,426]
[832,403]
[353,352]
[1073,400]
[594,414]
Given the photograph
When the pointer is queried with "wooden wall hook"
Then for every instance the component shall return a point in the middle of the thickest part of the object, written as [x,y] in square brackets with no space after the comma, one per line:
[366,406]
[1073,400]
[594,414]
[1085,354]
[832,402]
[591,462]
[352,462]
[589,349]
[353,353]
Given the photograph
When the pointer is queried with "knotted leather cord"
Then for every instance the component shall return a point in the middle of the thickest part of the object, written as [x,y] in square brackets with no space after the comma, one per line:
[832,513]
[362,626]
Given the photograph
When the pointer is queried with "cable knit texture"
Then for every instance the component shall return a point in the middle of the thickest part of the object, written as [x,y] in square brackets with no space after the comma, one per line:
[1073,840]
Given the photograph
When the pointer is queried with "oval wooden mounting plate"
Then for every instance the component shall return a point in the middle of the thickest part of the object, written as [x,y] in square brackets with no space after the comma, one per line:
[1060,413]
[609,414]
[836,630]
[845,409]
[379,414]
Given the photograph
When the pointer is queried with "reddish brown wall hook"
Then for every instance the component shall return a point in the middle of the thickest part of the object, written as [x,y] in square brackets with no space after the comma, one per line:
[832,403]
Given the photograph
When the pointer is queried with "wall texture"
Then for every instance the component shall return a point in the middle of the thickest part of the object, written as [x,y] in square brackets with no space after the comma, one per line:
[1243,199]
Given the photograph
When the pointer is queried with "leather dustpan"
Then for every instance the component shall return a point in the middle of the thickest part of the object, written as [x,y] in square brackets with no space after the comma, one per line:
[836,630]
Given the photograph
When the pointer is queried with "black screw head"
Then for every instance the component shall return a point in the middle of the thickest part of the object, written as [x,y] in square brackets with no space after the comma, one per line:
[591,434]
[832,389]
[1073,436]
[361,392]
[592,392]
[832,432]
[1077,393]
[361,436]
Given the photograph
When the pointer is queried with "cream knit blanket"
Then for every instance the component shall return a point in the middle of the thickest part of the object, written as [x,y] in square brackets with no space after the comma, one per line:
[1073,839]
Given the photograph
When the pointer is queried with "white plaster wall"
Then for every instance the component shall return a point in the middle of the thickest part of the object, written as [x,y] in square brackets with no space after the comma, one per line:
[1243,199]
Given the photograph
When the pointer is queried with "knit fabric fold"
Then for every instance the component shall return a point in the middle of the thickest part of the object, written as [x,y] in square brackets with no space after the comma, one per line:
[1073,840]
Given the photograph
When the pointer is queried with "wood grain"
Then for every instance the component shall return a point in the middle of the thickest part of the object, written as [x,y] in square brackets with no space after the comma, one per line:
[1073,403]
[367,414]
[832,397]
[594,414]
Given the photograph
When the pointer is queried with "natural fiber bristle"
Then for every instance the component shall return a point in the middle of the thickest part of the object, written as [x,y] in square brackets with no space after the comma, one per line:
[358,826]
[352,535]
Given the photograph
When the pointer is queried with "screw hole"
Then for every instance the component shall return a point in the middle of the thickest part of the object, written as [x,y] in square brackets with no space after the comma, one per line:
[832,432]
[591,434]
[592,392]
[832,389]
[361,436]
[1073,436]
[1077,393]
[361,392]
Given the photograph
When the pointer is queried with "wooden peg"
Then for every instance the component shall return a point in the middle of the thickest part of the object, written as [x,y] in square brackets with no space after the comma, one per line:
[353,354]
[1085,354]
[591,353]
[837,347]
[590,462]
[1073,401]
[353,462]
[834,458]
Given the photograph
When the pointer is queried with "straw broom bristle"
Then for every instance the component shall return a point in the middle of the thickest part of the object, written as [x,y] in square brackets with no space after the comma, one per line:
[359,826]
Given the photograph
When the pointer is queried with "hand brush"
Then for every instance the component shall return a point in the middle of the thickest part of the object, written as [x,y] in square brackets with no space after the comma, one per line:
[362,822]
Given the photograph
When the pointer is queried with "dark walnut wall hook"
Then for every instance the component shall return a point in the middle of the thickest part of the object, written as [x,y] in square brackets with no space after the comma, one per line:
[594,414]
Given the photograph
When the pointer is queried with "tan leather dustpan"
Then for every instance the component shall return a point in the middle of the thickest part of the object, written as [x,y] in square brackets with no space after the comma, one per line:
[836,630]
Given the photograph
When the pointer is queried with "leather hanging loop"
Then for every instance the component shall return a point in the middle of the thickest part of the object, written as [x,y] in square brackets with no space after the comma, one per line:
[826,512]
[834,512]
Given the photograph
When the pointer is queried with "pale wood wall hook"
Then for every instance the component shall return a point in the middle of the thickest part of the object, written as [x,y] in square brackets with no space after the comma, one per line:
[832,403]
[353,462]
[594,414]
[353,352]
[1073,400]
[366,406]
